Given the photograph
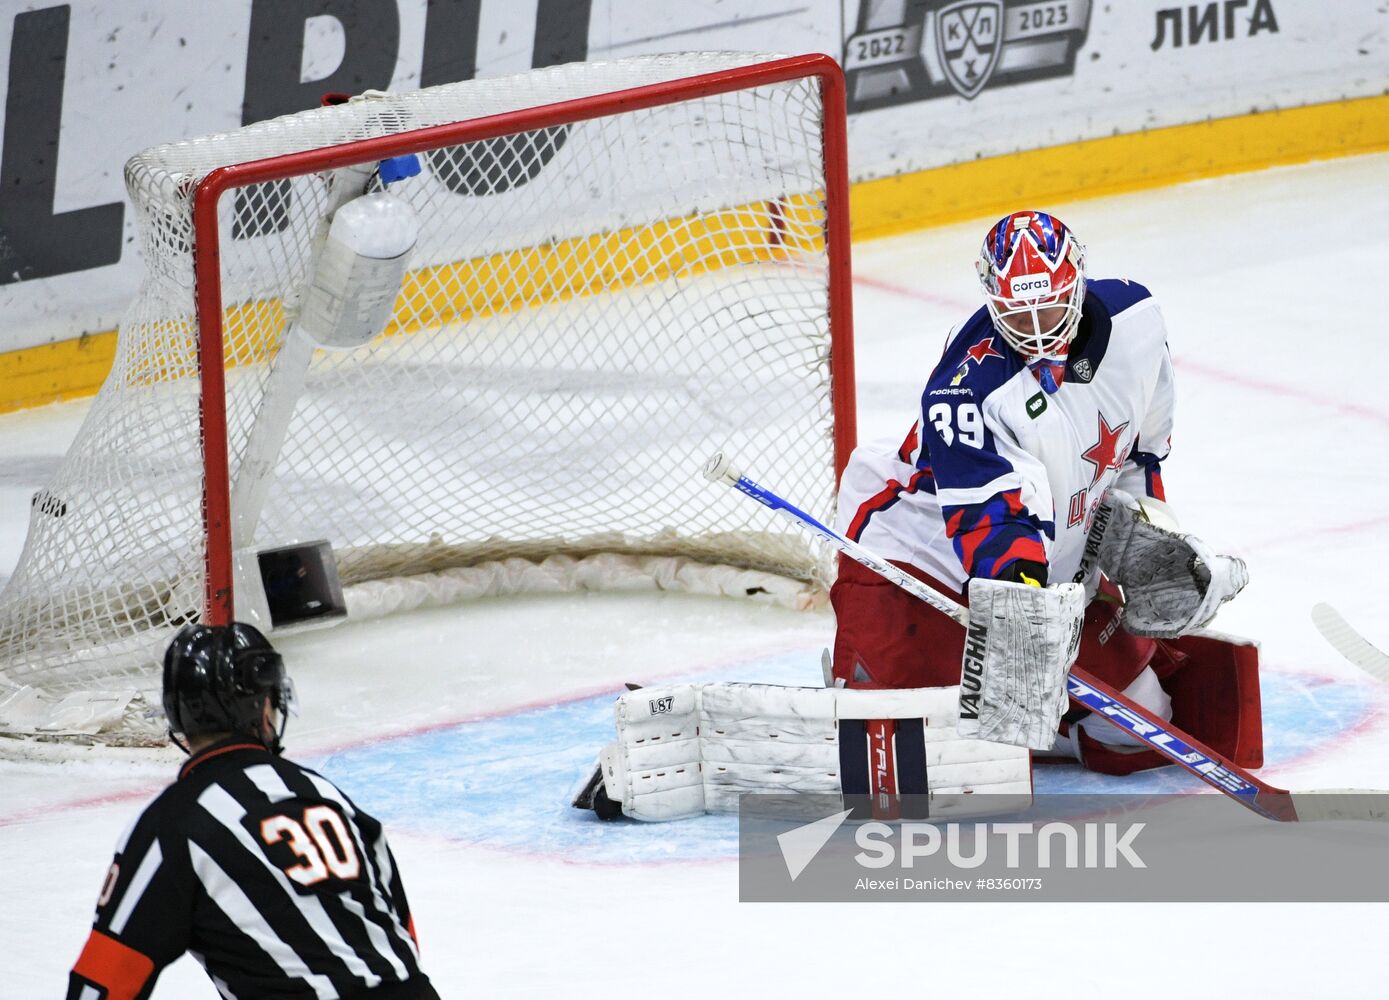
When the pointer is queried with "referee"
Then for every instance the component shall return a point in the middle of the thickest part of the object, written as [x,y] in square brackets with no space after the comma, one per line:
[260,868]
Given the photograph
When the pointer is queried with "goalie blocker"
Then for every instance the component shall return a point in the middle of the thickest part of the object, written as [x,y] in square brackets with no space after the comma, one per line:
[889,639]
[688,749]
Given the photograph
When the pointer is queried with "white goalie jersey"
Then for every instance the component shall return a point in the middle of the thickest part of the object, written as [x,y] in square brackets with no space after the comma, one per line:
[996,469]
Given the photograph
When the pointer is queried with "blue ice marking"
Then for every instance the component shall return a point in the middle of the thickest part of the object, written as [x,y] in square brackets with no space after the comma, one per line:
[506,782]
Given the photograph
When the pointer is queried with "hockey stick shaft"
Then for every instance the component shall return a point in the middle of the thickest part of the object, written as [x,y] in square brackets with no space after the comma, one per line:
[719,470]
[1084,689]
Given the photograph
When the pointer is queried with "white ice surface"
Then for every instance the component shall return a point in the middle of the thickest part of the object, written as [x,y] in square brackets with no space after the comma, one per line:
[1269,283]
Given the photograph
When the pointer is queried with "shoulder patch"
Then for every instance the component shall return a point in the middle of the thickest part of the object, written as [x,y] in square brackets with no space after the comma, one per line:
[976,360]
[954,388]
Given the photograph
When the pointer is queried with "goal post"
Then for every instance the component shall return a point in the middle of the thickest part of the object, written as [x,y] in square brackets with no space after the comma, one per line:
[620,267]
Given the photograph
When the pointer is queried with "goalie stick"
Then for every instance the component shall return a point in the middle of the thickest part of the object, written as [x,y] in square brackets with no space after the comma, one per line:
[1350,643]
[1087,691]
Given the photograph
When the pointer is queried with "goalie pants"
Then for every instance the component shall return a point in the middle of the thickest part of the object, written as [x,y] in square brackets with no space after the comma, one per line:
[886,638]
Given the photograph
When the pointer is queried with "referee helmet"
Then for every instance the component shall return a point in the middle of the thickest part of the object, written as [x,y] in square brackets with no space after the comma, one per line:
[217,679]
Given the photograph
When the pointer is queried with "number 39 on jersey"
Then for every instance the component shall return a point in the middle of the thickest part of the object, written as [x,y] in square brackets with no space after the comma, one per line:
[961,420]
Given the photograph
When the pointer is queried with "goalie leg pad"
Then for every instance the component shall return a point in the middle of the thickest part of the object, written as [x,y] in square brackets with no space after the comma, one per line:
[1213,684]
[886,638]
[1215,693]
[685,750]
[1109,651]
[653,769]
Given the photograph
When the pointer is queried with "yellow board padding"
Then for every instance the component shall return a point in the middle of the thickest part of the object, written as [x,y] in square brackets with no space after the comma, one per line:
[434,296]
[1118,164]
[1112,165]
[530,277]
[51,373]
[572,268]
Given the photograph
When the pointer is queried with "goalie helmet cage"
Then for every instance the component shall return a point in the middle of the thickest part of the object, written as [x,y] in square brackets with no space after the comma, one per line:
[621,268]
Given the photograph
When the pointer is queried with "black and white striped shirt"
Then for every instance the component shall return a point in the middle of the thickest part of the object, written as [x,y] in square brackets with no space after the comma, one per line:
[268,875]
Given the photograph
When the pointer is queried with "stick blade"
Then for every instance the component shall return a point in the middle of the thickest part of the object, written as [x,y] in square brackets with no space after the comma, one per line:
[1341,804]
[1350,643]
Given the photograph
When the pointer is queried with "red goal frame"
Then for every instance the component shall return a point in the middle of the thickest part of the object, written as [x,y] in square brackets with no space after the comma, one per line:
[217,522]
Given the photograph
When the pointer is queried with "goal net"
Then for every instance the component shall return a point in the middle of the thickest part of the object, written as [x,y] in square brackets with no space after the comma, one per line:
[620,268]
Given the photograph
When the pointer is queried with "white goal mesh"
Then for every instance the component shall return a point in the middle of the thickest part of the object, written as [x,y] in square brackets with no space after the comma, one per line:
[591,309]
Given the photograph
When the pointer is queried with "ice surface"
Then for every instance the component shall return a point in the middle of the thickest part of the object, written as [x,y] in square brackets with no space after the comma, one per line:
[464,728]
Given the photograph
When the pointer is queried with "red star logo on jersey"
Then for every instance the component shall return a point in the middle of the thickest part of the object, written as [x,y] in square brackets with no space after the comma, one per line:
[983,349]
[1104,454]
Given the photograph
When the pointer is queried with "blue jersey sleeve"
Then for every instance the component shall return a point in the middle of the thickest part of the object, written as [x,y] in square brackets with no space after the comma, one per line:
[974,463]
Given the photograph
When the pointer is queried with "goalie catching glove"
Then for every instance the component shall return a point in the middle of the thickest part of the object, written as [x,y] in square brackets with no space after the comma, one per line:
[1173,583]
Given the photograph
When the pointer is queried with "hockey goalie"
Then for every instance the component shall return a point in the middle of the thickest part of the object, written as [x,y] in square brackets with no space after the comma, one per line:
[1030,490]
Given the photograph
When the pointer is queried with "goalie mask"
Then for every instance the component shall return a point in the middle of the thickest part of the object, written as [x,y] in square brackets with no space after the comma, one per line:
[1033,272]
[217,679]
